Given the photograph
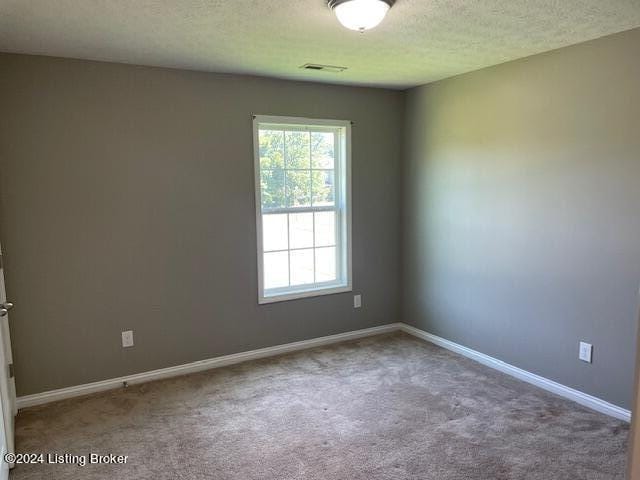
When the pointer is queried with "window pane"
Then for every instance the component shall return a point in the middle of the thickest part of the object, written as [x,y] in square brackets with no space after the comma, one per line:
[325,264]
[298,189]
[271,149]
[274,232]
[301,267]
[297,150]
[323,188]
[325,229]
[272,185]
[322,154]
[276,270]
[301,230]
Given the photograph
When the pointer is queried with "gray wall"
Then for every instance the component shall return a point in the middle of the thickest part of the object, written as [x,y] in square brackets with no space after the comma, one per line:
[126,198]
[522,224]
[127,202]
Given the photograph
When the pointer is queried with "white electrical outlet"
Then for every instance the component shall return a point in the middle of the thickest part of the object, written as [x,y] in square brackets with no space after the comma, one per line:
[127,338]
[586,349]
[357,301]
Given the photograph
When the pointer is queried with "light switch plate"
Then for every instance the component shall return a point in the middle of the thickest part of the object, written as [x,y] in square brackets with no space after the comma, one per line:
[586,349]
[357,301]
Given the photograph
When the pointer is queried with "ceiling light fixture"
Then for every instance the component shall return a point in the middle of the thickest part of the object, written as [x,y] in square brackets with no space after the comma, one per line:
[360,15]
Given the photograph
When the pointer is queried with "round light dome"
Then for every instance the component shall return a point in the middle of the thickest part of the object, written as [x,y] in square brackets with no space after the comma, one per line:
[360,15]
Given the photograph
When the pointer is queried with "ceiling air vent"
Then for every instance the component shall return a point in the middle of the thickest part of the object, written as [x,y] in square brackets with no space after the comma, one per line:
[323,68]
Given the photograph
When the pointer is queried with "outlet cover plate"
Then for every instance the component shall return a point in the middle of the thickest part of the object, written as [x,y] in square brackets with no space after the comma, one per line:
[127,338]
[586,349]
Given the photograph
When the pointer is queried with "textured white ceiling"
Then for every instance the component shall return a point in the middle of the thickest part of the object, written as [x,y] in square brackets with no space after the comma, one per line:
[419,41]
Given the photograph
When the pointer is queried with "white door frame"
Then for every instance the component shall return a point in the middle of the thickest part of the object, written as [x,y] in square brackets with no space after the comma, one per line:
[7,381]
[634,437]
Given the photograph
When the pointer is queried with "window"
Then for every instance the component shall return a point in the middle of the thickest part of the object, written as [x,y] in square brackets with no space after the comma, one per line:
[303,209]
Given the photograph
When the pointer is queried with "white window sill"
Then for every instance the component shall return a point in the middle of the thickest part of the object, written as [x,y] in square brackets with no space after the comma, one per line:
[314,292]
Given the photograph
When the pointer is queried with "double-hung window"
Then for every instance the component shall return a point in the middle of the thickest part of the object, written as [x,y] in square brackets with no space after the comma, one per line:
[303,197]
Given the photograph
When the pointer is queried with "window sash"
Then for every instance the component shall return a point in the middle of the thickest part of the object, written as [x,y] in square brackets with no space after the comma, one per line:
[340,259]
[324,208]
[341,208]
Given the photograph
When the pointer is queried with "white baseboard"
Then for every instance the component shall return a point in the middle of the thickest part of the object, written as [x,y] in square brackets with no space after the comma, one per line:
[544,383]
[112,383]
[577,396]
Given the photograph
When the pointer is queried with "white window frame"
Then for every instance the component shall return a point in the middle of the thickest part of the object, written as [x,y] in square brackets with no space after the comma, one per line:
[342,198]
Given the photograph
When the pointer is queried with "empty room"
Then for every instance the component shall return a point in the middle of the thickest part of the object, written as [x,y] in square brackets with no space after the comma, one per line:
[319,239]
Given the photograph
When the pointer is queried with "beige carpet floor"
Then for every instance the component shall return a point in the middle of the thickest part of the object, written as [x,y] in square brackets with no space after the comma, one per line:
[386,407]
